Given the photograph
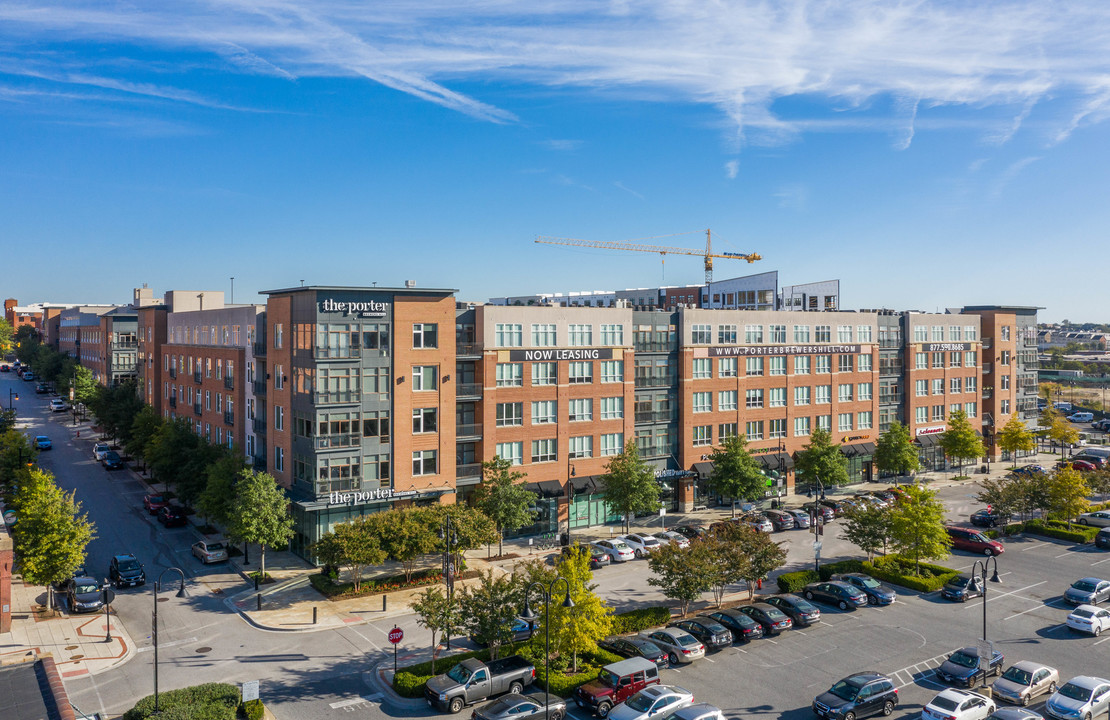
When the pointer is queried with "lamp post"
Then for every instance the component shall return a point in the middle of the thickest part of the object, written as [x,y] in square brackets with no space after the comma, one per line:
[979,569]
[530,617]
[12,395]
[450,538]
[154,621]
[73,396]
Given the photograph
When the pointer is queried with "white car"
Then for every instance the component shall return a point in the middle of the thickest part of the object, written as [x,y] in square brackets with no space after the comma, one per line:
[1080,698]
[652,700]
[100,450]
[1089,619]
[697,711]
[955,704]
[674,538]
[1099,518]
[641,544]
[616,549]
[58,405]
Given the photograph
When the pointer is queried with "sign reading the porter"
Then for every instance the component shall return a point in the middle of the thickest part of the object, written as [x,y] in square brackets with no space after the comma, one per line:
[361,496]
[365,308]
[760,350]
[549,354]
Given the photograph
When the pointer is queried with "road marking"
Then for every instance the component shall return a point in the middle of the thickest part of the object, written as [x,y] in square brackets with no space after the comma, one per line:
[1023,612]
[1101,641]
[1035,545]
[711,660]
[1012,592]
[173,643]
[776,642]
[346,703]
[1101,561]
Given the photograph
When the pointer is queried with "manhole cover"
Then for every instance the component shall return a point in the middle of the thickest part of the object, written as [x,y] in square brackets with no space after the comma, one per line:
[163,599]
[71,647]
[201,651]
[76,657]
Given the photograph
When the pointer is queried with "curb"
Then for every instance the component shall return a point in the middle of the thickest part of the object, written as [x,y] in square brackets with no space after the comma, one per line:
[376,680]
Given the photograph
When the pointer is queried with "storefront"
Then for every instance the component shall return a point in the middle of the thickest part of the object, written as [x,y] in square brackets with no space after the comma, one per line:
[861,457]
[929,452]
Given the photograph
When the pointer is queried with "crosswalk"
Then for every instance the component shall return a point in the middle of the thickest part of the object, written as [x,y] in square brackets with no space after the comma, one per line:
[919,671]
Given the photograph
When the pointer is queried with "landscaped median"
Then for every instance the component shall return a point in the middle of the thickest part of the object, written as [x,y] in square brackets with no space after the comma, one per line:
[893,569]
[211,701]
[1057,529]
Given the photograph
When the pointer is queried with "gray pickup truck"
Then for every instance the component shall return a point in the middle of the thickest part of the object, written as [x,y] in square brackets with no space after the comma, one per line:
[473,680]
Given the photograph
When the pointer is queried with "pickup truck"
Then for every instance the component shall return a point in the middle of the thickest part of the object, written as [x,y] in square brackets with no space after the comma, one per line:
[473,680]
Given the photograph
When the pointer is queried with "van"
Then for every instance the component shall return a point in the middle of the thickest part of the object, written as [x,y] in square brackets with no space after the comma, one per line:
[616,683]
[1066,406]
[1081,417]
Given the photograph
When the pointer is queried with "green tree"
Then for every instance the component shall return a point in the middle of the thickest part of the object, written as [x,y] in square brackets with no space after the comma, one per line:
[170,449]
[580,627]
[143,430]
[218,496]
[17,456]
[354,545]
[764,556]
[682,573]
[960,441]
[503,499]
[438,612]
[260,513]
[728,561]
[405,534]
[821,461]
[6,337]
[868,528]
[736,474]
[1067,492]
[1015,438]
[1062,433]
[115,409]
[895,452]
[85,388]
[630,487]
[52,534]
[26,344]
[917,527]
[1003,495]
[471,528]
[488,608]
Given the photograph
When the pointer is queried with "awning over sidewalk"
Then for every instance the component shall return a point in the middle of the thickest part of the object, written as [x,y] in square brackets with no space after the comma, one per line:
[927,440]
[703,469]
[546,488]
[859,449]
[775,461]
[586,484]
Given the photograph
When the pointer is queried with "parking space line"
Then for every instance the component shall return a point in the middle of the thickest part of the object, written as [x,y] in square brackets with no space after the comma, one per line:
[1037,545]
[1101,561]
[1012,592]
[1101,641]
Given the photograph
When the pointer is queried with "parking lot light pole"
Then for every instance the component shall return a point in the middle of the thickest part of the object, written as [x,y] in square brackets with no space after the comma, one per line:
[12,395]
[979,569]
[450,538]
[530,617]
[154,621]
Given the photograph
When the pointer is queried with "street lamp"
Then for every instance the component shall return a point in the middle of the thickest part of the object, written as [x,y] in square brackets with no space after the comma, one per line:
[154,621]
[12,395]
[979,569]
[450,538]
[530,617]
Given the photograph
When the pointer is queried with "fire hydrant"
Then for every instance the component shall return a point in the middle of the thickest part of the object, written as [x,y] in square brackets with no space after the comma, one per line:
[759,584]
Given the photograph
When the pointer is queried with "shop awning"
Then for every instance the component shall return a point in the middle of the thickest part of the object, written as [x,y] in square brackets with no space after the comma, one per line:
[775,461]
[859,449]
[585,485]
[927,440]
[546,488]
[703,469]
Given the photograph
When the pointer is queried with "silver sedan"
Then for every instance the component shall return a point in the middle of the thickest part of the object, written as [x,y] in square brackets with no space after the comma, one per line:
[1026,680]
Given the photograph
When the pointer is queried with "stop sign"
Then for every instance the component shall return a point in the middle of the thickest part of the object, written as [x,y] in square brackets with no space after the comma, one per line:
[395,635]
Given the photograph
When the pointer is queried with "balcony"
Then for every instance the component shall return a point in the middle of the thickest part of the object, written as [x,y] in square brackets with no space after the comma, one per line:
[655,417]
[229,382]
[987,343]
[648,382]
[334,442]
[173,401]
[197,378]
[125,345]
[229,418]
[336,353]
[468,390]
[259,426]
[173,372]
[344,397]
[468,430]
[196,409]
[468,350]
[259,387]
[885,343]
[258,349]
[469,470]
[656,347]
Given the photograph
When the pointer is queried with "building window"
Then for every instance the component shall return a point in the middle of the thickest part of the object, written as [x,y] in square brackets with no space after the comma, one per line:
[279,417]
[844,333]
[508,335]
[864,392]
[824,364]
[1005,407]
[844,392]
[612,335]
[424,462]
[754,398]
[753,334]
[612,371]
[955,359]
[581,447]
[824,394]
[703,402]
[938,360]
[543,373]
[921,415]
[920,334]
[581,335]
[424,377]
[801,334]
[510,374]
[279,459]
[701,334]
[777,397]
[863,420]
[580,409]
[376,425]
[938,333]
[801,364]
[844,363]
[844,422]
[921,361]
[801,396]
[954,385]
[543,336]
[776,366]
[703,368]
[824,422]
[777,333]
[754,366]
[970,358]
[777,428]
[954,333]
[207,400]
[1005,358]
[544,412]
[544,450]
[954,407]
[938,413]
[863,333]
[279,335]
[612,444]
[510,414]
[938,386]
[424,335]
[970,384]
[423,420]
[971,409]
[703,435]
[864,363]
[801,427]
[612,408]
[1004,382]
[726,335]
[754,430]
[823,333]
[581,372]
[1005,332]
[726,400]
[971,333]
[726,367]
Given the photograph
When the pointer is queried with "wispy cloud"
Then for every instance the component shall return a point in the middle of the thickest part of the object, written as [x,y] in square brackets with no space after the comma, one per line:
[628,190]
[732,167]
[794,196]
[740,57]
[1007,176]
[562,145]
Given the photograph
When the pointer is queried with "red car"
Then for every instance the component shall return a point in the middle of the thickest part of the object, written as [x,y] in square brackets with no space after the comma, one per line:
[1082,465]
[154,503]
[172,516]
[974,541]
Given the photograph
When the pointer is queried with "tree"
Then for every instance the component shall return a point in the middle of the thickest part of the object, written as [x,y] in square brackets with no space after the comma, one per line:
[143,429]
[115,408]
[488,608]
[821,461]
[170,450]
[728,562]
[960,441]
[6,335]
[917,526]
[895,452]
[630,487]
[1003,495]
[260,513]
[52,534]
[353,545]
[681,573]
[503,499]
[1067,492]
[437,612]
[17,455]
[470,527]
[1062,433]
[218,496]
[405,534]
[580,627]
[868,528]
[1015,438]
[764,556]
[736,474]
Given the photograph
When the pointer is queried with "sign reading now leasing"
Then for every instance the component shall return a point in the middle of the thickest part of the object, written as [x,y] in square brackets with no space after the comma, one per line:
[551,354]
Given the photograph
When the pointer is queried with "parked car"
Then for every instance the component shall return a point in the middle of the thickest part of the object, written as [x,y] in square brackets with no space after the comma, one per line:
[616,683]
[4,367]
[1030,470]
[986,518]
[962,588]
[84,594]
[1013,713]
[652,700]
[473,680]
[1098,461]
[43,443]
[172,516]
[770,618]
[1088,591]
[973,541]
[520,631]
[617,550]
[800,611]
[836,592]
[99,449]
[740,625]
[1102,540]
[674,538]
[1024,681]
[1081,697]
[756,521]
[825,511]
[154,503]
[1103,424]
[634,646]
[42,388]
[801,517]
[697,711]
[125,571]
[965,667]
[58,405]
[210,551]
[708,631]
[1077,464]
[28,376]
[641,544]
[839,506]
[515,706]
[857,696]
[112,461]
[957,705]
[681,647]
[876,592]
[1099,518]
[691,532]
[598,557]
[1089,619]
[780,519]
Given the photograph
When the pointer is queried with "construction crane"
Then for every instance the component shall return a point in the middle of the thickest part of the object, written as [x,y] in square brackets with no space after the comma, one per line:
[708,254]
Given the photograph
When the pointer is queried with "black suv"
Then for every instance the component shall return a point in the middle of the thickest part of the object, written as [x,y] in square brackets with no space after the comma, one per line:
[708,631]
[857,696]
[125,571]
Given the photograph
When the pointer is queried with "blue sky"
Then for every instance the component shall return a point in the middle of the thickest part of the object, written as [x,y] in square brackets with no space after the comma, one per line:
[927,154]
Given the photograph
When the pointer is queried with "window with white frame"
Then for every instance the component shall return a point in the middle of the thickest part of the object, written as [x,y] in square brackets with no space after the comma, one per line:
[703,368]
[612,444]
[801,333]
[1005,332]
[938,333]
[703,402]
[580,372]
[754,397]
[801,427]
[970,384]
[1004,382]
[612,371]
[544,335]
[580,409]
[844,333]
[778,335]
[777,428]
[844,422]
[612,335]
[508,335]
[424,462]
[921,415]
[824,422]
[703,435]
[701,334]
[844,392]
[1005,406]
[954,333]
[970,358]
[920,334]
[543,373]
[425,335]
[279,458]
[1004,358]
[545,412]
[726,334]
[754,430]
[580,335]
[863,392]
[938,412]
[776,365]
[954,407]
[279,417]
[844,363]
[824,364]
[971,333]
[776,397]
[581,447]
[726,431]
[612,408]
[955,359]
[864,363]
[726,400]
[954,385]
[510,374]
[863,420]
[971,409]
[545,450]
[510,414]
[938,360]
[753,334]
[726,367]
[423,420]
[801,396]
[823,394]
[938,386]
[754,366]
[822,333]
[511,451]
[801,365]
[863,333]
[921,361]
[921,388]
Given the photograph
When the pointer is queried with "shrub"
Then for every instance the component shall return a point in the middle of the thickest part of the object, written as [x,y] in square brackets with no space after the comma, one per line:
[1059,530]
[333,589]
[253,710]
[898,570]
[844,566]
[642,619]
[563,684]
[211,701]
[792,582]
[409,685]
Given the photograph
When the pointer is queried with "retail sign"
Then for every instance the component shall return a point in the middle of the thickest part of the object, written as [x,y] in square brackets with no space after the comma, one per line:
[761,350]
[945,347]
[363,308]
[362,496]
[856,437]
[669,473]
[935,430]
[549,354]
